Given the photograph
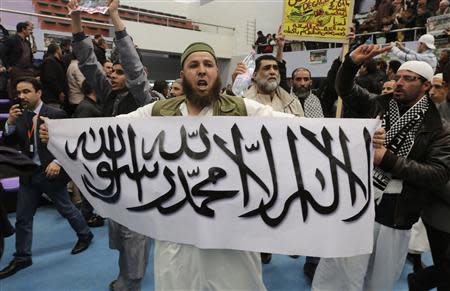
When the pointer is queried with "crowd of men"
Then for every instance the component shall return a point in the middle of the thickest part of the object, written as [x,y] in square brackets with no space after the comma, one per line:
[411,153]
[388,15]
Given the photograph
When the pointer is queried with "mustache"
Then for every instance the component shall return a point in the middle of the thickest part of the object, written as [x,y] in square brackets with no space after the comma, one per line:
[188,89]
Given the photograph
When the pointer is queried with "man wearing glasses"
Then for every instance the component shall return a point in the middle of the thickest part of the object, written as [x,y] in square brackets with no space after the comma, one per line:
[416,160]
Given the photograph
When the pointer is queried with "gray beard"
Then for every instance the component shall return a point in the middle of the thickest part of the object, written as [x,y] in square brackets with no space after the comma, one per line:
[267,86]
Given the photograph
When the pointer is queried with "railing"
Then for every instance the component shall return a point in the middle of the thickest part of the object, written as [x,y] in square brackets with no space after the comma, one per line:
[205,27]
[415,29]
[293,45]
[202,26]
[333,45]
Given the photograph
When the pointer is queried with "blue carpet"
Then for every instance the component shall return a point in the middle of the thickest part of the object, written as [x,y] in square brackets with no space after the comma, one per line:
[55,269]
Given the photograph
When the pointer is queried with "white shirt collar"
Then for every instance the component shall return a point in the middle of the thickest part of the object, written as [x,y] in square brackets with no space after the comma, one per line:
[38,108]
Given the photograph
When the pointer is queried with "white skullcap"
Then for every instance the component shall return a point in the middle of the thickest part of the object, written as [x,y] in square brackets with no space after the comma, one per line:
[438,76]
[428,40]
[444,1]
[420,68]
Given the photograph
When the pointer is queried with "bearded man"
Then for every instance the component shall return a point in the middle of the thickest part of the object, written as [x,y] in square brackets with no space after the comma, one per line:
[186,267]
[416,160]
[267,89]
[176,89]
[301,83]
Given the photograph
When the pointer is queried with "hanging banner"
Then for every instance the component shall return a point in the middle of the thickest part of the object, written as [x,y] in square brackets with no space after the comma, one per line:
[279,185]
[92,6]
[317,20]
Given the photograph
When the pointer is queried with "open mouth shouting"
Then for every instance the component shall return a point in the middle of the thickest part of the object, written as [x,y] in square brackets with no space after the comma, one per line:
[202,85]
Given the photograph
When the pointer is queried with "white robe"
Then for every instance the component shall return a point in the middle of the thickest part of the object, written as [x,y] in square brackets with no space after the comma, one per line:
[186,267]
[377,271]
[418,243]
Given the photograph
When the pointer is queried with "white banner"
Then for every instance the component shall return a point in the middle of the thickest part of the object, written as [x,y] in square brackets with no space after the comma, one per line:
[279,185]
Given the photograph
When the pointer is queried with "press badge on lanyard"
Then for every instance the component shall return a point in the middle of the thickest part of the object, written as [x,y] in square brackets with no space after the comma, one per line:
[31,133]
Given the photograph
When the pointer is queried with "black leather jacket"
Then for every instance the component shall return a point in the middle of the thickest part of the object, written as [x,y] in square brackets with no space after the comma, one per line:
[11,51]
[427,166]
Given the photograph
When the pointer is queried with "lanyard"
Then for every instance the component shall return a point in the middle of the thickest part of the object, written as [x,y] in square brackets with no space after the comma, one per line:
[31,132]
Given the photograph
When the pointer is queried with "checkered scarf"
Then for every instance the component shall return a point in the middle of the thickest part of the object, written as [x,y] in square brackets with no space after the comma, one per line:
[312,106]
[400,135]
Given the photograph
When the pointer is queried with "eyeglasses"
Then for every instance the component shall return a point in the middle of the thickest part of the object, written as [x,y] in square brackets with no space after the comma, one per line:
[406,78]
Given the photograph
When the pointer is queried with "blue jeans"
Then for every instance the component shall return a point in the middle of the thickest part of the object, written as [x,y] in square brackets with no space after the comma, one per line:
[27,203]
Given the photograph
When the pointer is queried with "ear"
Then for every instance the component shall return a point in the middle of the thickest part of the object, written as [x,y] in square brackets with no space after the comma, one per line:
[182,75]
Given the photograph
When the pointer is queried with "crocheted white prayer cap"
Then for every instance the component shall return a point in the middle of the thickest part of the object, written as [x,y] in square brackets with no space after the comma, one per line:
[420,68]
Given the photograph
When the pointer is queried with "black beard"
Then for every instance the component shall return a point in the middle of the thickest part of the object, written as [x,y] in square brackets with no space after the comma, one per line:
[301,92]
[202,101]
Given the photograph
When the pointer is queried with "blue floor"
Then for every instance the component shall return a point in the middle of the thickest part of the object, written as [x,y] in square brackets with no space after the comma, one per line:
[55,269]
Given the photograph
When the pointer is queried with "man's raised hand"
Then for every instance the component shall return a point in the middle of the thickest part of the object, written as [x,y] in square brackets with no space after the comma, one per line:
[367,51]
[72,5]
[14,113]
[280,38]
[113,5]
[241,68]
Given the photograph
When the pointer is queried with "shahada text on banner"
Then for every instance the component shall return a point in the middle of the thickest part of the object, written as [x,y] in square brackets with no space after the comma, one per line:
[317,20]
[280,185]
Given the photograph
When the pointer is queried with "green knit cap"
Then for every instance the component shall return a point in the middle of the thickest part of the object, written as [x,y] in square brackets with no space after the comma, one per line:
[197,47]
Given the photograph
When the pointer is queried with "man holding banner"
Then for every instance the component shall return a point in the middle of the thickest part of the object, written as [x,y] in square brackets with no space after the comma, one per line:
[417,160]
[178,266]
[219,265]
[190,250]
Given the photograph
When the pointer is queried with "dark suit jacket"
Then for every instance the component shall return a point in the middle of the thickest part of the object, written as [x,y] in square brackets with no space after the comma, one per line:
[12,51]
[13,163]
[4,31]
[53,78]
[19,139]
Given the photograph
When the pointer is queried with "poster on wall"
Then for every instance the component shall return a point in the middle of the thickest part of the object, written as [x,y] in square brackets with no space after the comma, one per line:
[318,57]
[317,20]
[55,38]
